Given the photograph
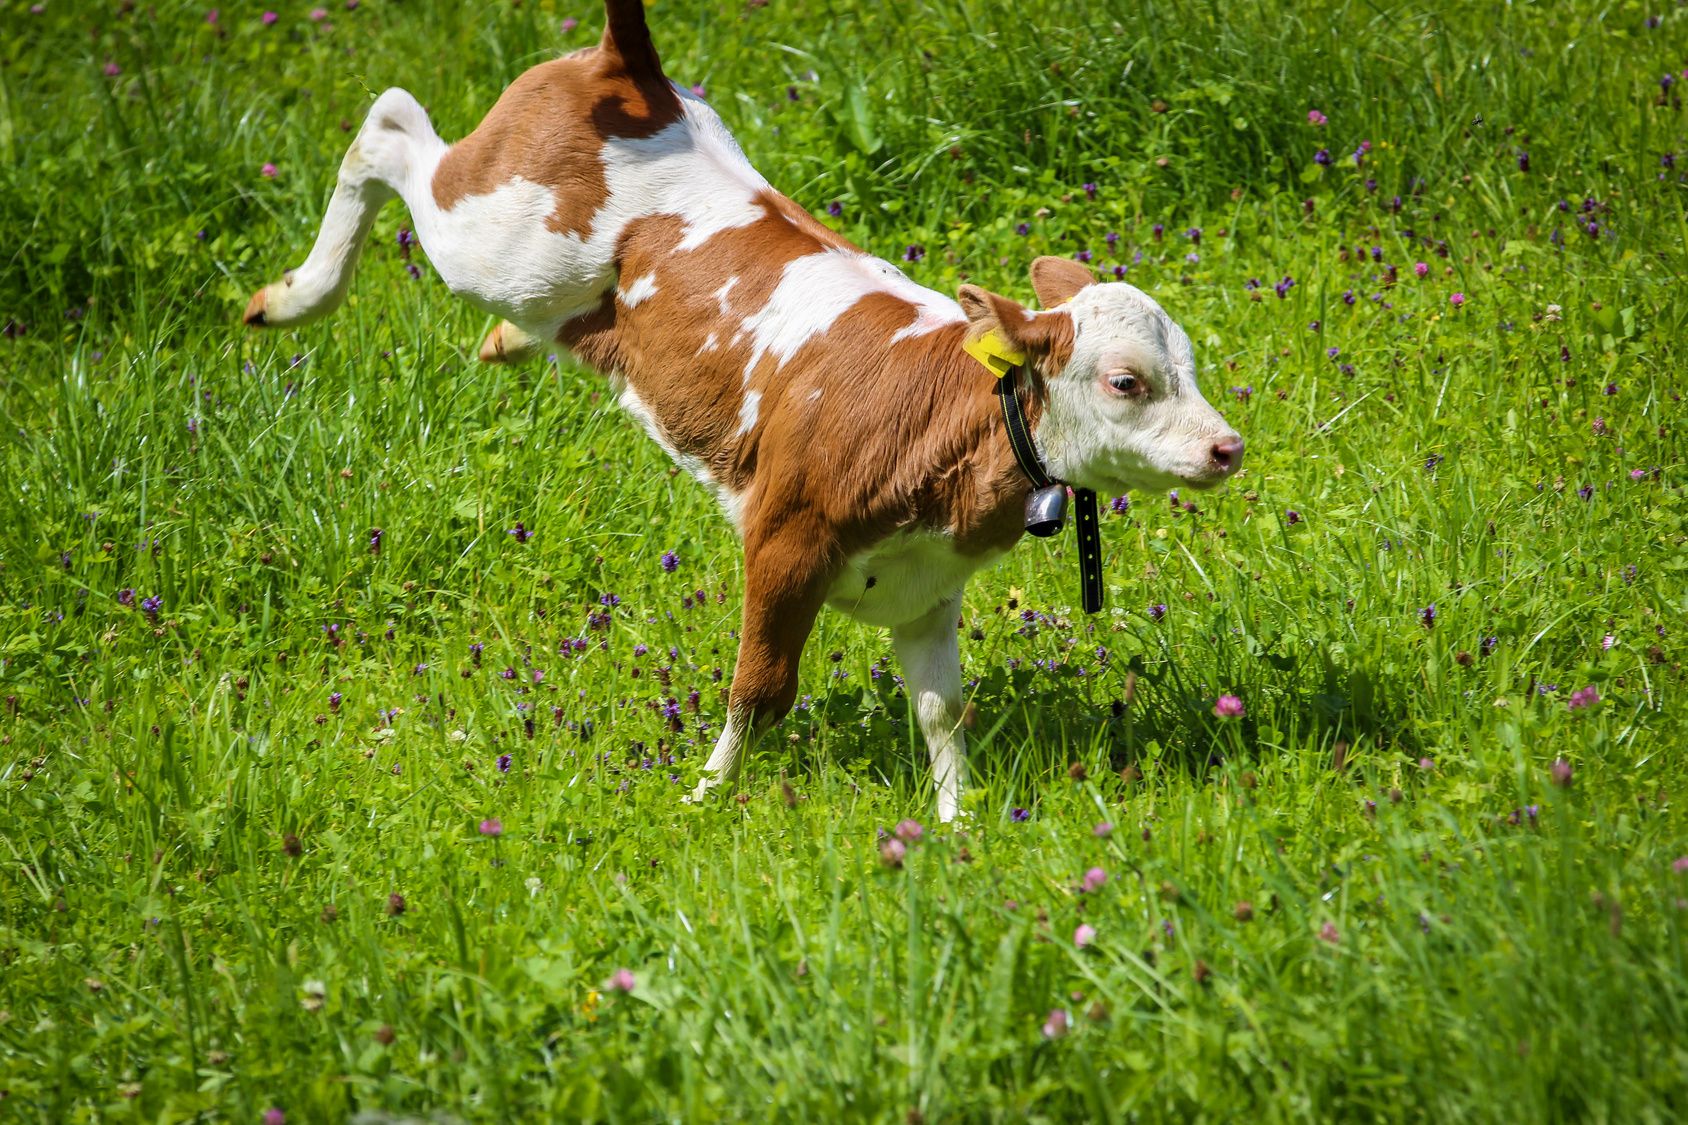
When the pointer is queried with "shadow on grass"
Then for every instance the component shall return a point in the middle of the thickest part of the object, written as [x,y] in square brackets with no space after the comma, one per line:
[1038,722]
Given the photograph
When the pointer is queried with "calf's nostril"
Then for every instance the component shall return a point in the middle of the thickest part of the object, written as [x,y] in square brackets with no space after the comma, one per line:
[1228,454]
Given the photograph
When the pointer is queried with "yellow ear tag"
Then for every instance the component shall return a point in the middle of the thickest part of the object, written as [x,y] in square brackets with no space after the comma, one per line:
[993,351]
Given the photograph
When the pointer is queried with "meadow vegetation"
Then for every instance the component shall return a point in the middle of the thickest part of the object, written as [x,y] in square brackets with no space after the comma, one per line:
[349,687]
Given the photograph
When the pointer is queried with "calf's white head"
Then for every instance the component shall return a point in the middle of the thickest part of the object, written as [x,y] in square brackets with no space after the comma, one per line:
[1121,409]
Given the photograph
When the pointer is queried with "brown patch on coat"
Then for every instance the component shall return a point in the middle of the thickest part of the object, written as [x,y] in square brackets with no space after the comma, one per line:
[549,128]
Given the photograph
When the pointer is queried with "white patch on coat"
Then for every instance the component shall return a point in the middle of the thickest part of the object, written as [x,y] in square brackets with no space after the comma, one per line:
[641,290]
[720,295]
[496,250]
[816,289]
[748,412]
[912,572]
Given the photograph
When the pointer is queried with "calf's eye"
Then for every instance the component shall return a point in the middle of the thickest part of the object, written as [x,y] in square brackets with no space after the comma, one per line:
[1124,382]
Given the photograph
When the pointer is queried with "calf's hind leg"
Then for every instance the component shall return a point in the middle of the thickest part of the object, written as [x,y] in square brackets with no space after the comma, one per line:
[396,150]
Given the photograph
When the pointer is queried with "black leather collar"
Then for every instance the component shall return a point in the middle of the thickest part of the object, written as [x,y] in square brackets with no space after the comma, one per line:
[1046,506]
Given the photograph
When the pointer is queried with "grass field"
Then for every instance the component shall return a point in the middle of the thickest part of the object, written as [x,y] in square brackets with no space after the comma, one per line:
[324,792]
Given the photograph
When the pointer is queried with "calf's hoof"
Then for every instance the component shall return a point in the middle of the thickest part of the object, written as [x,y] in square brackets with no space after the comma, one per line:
[255,309]
[508,344]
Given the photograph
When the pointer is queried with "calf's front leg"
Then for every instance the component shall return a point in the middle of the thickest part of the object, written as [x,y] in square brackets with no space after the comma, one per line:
[930,653]
[785,585]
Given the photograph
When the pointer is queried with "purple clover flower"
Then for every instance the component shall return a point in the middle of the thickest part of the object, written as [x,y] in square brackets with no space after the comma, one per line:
[1228,707]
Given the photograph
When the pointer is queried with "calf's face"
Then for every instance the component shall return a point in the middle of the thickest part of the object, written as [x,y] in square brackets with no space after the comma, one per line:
[1121,409]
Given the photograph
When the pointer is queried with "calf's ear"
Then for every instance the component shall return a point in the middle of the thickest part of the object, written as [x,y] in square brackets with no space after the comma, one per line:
[1056,280]
[1045,337]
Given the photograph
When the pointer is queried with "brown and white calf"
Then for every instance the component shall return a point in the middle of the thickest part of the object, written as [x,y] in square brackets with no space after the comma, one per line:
[819,393]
